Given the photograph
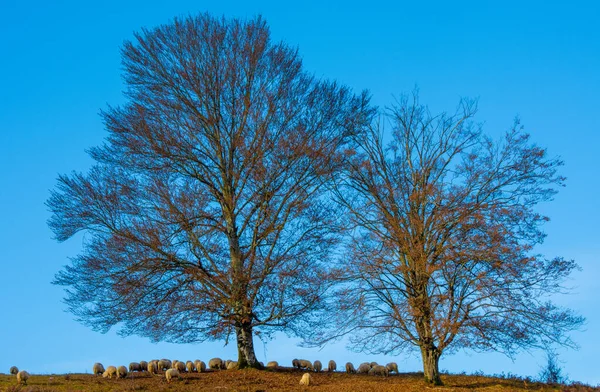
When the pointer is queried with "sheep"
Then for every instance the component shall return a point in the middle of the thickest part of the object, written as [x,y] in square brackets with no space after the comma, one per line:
[318,366]
[135,367]
[110,372]
[215,363]
[97,369]
[189,365]
[305,380]
[121,372]
[373,364]
[200,366]
[232,365]
[296,363]
[22,377]
[153,367]
[363,368]
[170,374]
[14,370]
[379,371]
[332,366]
[180,366]
[164,364]
[392,367]
[227,362]
[304,364]
[350,368]
[272,365]
[144,366]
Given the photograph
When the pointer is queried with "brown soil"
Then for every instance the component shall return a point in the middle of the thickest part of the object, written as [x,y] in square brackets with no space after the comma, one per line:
[282,380]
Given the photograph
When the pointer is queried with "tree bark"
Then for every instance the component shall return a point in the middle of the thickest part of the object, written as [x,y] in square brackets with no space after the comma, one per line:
[245,344]
[431,358]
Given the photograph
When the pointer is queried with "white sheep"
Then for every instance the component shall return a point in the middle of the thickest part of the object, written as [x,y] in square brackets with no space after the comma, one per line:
[232,365]
[363,368]
[170,374]
[135,367]
[14,370]
[22,377]
[350,368]
[331,366]
[121,372]
[180,366]
[164,364]
[379,371]
[216,363]
[392,367]
[272,365]
[200,366]
[153,367]
[97,369]
[304,364]
[305,380]
[318,366]
[110,372]
[189,365]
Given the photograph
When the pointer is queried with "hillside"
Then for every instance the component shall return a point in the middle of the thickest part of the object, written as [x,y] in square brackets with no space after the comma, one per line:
[282,380]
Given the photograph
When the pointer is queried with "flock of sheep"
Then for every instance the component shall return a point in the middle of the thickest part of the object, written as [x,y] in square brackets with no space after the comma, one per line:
[173,369]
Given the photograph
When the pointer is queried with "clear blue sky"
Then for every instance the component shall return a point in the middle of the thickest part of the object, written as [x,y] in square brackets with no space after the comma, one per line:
[60,64]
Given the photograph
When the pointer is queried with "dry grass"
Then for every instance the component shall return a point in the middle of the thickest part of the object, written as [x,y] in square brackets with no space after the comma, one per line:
[284,379]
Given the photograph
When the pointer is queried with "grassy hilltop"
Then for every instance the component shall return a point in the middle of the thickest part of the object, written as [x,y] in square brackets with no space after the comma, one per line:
[285,379]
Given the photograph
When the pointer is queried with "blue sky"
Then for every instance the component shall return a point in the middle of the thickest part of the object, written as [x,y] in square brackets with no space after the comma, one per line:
[61,65]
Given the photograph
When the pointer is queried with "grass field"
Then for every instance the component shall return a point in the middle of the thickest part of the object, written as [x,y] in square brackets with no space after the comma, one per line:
[282,380]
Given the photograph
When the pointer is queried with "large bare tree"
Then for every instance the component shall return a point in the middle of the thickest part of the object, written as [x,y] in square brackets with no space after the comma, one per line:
[205,214]
[444,223]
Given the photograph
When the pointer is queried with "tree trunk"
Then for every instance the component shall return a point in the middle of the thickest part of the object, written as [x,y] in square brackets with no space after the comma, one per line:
[245,344]
[431,358]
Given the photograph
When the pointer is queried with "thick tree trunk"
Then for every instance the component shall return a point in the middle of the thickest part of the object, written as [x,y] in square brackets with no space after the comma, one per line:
[245,344]
[431,358]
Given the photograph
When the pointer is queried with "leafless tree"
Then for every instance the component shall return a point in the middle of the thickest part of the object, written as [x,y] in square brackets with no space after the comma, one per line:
[444,229]
[205,214]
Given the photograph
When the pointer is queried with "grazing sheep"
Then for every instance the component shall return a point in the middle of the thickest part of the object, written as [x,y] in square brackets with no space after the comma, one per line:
[304,364]
[144,366]
[318,366]
[232,365]
[272,365]
[121,372]
[189,365]
[350,368]
[332,366]
[373,364]
[227,362]
[110,372]
[392,367]
[97,369]
[379,370]
[296,363]
[164,364]
[305,380]
[363,368]
[14,370]
[200,366]
[153,367]
[171,373]
[215,363]
[180,366]
[135,367]
[22,377]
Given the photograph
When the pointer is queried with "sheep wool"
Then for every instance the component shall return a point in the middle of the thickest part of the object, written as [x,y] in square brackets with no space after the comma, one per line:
[121,372]
[152,367]
[200,366]
[305,380]
[97,369]
[304,364]
[272,365]
[164,364]
[189,365]
[135,367]
[350,368]
[22,377]
[110,372]
[379,370]
[363,368]
[14,370]
[296,363]
[143,366]
[232,365]
[215,363]
[170,374]
[392,367]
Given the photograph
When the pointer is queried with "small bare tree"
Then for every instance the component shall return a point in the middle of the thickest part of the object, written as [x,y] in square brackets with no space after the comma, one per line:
[205,214]
[444,230]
